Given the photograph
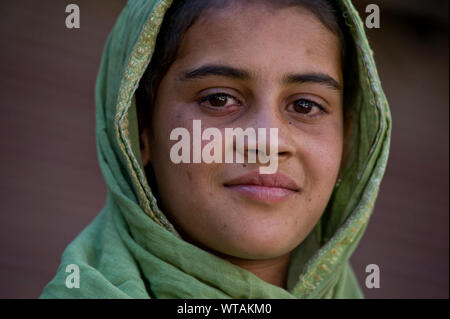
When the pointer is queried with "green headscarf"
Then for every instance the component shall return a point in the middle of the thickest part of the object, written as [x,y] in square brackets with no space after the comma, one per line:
[131,250]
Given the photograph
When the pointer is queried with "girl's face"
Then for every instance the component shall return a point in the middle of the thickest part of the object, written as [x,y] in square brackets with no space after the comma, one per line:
[271,69]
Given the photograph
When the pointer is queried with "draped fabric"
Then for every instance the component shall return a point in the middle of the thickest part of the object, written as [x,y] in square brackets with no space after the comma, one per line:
[131,250]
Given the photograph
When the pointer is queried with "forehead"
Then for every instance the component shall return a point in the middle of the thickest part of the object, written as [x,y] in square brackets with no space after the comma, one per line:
[265,40]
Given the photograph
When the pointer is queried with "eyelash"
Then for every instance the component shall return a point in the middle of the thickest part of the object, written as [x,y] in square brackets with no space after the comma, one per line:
[311,103]
[210,96]
[226,95]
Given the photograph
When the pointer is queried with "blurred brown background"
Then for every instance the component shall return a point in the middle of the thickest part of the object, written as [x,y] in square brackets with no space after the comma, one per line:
[51,186]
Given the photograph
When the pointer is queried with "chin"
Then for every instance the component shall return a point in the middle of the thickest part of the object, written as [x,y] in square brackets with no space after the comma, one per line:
[259,246]
[258,253]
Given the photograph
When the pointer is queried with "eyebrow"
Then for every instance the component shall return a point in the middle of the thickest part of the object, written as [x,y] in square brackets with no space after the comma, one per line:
[320,78]
[240,74]
[218,70]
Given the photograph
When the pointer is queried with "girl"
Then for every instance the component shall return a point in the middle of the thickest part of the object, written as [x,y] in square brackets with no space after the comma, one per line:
[210,229]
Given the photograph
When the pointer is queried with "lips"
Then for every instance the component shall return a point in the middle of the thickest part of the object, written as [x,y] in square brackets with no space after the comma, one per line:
[264,187]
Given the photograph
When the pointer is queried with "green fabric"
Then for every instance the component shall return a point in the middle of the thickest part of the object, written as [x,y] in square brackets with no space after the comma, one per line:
[131,250]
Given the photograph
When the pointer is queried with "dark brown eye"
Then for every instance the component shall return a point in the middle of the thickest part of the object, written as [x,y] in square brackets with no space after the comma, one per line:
[307,108]
[218,100]
[303,106]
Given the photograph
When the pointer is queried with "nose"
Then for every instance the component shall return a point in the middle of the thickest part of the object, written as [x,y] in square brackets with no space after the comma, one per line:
[270,126]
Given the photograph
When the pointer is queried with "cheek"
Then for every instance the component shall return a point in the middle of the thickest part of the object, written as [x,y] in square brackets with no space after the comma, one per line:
[183,186]
[324,159]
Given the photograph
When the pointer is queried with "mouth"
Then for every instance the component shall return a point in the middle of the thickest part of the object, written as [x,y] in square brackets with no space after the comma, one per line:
[269,188]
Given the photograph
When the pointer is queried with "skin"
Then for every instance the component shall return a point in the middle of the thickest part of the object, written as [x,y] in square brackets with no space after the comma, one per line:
[269,45]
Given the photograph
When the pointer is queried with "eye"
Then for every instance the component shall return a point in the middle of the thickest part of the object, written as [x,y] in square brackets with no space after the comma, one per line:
[219,100]
[307,107]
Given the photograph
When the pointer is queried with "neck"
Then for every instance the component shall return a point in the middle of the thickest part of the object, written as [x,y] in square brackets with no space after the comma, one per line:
[274,271]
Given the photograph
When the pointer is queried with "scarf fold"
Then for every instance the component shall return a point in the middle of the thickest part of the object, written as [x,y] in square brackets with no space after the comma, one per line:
[131,250]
